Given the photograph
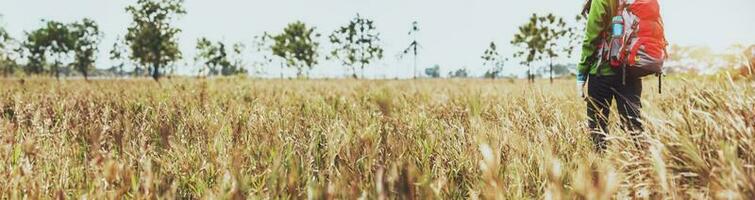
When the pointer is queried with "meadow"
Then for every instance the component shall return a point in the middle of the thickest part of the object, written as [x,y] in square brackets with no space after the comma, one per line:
[237,138]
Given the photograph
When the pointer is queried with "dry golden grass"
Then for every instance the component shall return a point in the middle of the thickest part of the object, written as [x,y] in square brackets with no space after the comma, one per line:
[346,139]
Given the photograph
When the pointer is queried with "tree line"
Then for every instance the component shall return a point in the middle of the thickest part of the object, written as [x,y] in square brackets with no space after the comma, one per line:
[151,46]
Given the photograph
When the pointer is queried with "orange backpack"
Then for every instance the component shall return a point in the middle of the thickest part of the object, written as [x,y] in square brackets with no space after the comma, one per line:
[635,41]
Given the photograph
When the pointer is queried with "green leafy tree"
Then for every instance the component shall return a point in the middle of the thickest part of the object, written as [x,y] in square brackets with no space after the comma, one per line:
[216,59]
[34,49]
[297,46]
[261,45]
[4,36]
[7,64]
[539,38]
[491,58]
[86,37]
[61,44]
[459,73]
[357,44]
[210,55]
[236,60]
[574,36]
[118,53]
[530,42]
[152,36]
[53,40]
[558,69]
[553,30]
[433,72]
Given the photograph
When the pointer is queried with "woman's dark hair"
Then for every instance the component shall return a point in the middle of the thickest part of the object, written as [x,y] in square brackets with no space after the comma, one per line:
[586,9]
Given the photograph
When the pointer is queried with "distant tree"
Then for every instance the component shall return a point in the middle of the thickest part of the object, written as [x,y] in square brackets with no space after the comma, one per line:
[152,37]
[53,40]
[413,46]
[216,59]
[538,39]
[118,53]
[557,69]
[433,72]
[62,44]
[7,64]
[688,59]
[677,53]
[297,46]
[491,58]
[562,69]
[702,55]
[675,59]
[357,44]
[86,37]
[236,60]
[691,59]
[735,56]
[530,41]
[574,36]
[210,55]
[4,36]
[34,49]
[554,29]
[261,46]
[459,73]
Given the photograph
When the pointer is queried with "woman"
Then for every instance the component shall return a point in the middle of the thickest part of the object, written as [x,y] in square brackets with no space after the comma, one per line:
[604,83]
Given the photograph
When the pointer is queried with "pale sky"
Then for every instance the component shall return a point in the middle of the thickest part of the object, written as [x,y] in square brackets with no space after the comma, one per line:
[453,33]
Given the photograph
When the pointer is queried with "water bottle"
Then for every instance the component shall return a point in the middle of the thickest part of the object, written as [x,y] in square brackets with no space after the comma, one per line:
[618,26]
[617,41]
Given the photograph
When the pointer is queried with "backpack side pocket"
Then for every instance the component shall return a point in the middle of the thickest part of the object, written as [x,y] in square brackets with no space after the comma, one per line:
[645,61]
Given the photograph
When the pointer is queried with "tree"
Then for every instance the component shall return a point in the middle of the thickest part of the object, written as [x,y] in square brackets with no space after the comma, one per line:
[539,38]
[152,38]
[216,59]
[493,59]
[528,39]
[734,56]
[236,60]
[433,72]
[86,38]
[703,56]
[677,59]
[414,45]
[53,40]
[211,56]
[554,28]
[6,62]
[357,44]
[262,49]
[34,49]
[4,37]
[297,46]
[460,73]
[575,35]
[118,54]
[558,69]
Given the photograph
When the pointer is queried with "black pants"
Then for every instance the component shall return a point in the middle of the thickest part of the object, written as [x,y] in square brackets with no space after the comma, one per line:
[602,90]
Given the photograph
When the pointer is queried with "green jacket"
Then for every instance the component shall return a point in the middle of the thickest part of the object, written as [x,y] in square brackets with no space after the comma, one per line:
[598,20]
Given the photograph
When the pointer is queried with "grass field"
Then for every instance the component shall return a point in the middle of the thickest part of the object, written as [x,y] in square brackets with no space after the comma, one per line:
[347,139]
